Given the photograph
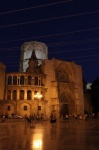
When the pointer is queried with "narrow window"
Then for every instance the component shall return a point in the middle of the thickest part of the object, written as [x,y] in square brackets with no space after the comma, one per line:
[21,95]
[8,108]
[29,80]
[39,107]
[9,80]
[9,95]
[25,108]
[14,80]
[36,80]
[14,95]
[29,95]
[21,80]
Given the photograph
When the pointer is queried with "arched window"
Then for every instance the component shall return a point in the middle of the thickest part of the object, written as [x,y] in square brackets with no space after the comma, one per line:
[22,80]
[14,95]
[29,80]
[9,95]
[14,80]
[8,108]
[62,76]
[28,95]
[36,80]
[21,95]
[9,80]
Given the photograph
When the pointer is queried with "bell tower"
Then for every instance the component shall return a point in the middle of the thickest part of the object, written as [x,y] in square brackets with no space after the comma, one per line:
[41,52]
[33,63]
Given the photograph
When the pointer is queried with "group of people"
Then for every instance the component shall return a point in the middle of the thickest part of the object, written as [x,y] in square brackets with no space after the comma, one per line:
[85,116]
[32,118]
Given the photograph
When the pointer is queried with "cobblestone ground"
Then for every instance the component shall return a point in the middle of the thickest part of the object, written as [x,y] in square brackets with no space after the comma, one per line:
[65,135]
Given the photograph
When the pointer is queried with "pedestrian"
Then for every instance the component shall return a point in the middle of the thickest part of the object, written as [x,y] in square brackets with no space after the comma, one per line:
[25,117]
[31,121]
[53,119]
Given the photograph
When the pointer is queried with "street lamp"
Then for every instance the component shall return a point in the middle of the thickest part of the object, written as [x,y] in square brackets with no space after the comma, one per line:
[38,96]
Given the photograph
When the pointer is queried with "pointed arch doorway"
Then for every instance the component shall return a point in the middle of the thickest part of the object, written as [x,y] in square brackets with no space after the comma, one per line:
[63,110]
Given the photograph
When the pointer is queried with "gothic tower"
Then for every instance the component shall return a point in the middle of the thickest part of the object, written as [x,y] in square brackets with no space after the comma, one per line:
[40,49]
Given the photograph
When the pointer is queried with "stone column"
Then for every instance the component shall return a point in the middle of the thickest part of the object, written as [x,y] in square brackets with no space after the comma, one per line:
[6,95]
[32,95]
[32,80]
[12,80]
[18,80]
[25,94]
[18,95]
[39,81]
[11,94]
[25,80]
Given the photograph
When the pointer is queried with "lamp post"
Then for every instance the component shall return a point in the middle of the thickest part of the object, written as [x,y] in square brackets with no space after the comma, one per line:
[38,96]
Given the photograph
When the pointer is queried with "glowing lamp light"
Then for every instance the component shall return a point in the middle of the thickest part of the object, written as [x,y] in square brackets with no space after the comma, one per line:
[37,144]
[38,96]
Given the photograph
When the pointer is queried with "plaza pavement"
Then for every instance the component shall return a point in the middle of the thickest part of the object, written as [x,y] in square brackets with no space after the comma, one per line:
[65,135]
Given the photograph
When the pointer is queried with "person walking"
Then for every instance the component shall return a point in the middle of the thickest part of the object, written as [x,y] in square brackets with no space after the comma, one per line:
[53,119]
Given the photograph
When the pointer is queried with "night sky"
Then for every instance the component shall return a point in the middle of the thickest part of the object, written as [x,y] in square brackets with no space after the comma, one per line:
[70,29]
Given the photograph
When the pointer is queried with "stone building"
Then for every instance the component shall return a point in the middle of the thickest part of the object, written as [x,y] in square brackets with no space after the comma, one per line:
[54,86]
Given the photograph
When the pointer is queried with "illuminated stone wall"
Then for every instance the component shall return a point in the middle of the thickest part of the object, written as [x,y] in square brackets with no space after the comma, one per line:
[64,86]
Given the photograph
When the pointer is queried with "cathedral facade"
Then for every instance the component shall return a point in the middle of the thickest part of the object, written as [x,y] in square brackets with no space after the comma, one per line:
[53,86]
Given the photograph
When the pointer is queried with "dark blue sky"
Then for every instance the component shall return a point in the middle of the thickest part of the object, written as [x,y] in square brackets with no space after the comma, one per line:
[70,29]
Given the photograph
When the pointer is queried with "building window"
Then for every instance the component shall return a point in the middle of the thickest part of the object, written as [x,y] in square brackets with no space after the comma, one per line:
[29,80]
[29,95]
[25,108]
[62,76]
[8,108]
[14,80]
[39,107]
[36,80]
[9,95]
[9,80]
[21,95]
[21,80]
[14,95]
